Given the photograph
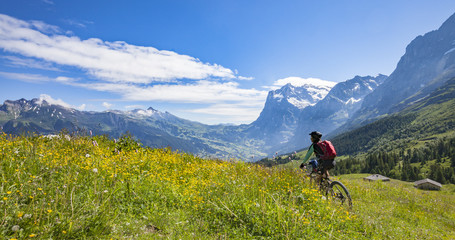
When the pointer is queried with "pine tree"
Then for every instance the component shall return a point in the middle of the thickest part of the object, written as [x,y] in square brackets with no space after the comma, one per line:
[440,177]
[404,176]
[449,172]
[412,173]
[438,159]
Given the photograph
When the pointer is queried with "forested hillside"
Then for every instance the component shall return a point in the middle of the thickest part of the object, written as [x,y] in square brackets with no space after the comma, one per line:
[434,160]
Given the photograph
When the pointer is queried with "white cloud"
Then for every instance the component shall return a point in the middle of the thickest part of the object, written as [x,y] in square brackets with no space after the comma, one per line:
[36,78]
[63,79]
[245,78]
[135,73]
[26,77]
[80,24]
[298,82]
[137,106]
[81,107]
[110,61]
[227,102]
[44,27]
[51,101]
[197,92]
[29,63]
[107,105]
[231,113]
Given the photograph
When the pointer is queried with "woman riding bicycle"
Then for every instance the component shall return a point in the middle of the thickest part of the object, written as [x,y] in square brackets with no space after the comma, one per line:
[314,148]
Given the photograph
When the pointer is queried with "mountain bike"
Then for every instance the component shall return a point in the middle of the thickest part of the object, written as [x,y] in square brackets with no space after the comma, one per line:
[334,190]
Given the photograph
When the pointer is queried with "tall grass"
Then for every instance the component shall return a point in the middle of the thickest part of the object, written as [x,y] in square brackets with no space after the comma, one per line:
[398,210]
[95,188]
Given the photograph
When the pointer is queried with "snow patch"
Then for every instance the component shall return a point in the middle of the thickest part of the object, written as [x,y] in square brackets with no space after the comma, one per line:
[356,87]
[300,104]
[278,96]
[353,100]
[146,113]
[318,93]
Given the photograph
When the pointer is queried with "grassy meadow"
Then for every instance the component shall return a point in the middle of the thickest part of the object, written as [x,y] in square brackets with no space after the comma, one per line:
[81,187]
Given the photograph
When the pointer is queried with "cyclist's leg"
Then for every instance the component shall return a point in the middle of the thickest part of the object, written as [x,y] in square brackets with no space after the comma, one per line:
[323,168]
[326,173]
[326,166]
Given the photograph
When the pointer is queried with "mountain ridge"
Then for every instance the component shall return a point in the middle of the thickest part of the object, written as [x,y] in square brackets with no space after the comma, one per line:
[157,130]
[161,129]
[424,119]
[426,65]
[335,109]
[278,119]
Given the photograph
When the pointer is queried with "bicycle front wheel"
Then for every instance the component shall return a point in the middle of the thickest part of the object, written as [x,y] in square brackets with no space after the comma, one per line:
[340,194]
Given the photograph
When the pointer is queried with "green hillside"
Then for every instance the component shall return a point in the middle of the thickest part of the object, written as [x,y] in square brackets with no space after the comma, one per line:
[430,118]
[73,187]
[416,143]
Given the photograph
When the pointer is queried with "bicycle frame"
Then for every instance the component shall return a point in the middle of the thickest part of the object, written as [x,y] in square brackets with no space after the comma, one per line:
[334,190]
[323,183]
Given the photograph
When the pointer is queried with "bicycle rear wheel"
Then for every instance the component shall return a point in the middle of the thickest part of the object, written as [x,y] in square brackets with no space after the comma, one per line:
[339,194]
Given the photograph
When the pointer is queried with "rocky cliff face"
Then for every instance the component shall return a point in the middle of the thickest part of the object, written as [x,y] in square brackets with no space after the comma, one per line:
[428,63]
[278,120]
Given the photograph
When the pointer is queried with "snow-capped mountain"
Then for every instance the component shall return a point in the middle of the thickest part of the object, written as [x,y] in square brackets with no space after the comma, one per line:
[301,93]
[278,119]
[145,114]
[343,100]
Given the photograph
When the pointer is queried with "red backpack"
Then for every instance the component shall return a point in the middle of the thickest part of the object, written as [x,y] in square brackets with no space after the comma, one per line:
[327,149]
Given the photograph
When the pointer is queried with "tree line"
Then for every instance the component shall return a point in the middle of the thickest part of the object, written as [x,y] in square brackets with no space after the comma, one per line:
[436,161]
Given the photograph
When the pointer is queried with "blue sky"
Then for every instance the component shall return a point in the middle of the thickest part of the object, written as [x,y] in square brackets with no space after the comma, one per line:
[208,61]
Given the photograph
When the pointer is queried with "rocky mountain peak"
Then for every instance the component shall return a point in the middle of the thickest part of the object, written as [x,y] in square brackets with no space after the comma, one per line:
[297,96]
[429,61]
[17,105]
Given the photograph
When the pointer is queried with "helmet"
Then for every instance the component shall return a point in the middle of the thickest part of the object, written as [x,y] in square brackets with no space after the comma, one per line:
[316,134]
